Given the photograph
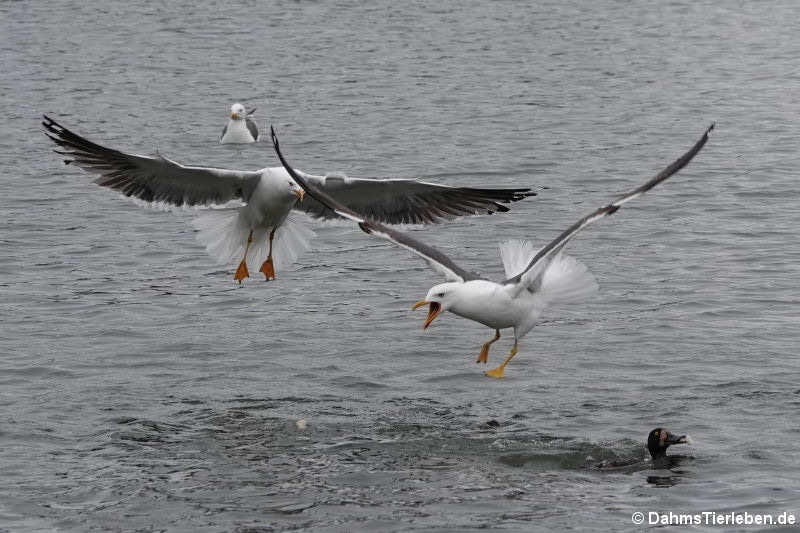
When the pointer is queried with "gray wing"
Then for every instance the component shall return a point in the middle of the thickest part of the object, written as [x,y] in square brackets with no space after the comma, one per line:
[152,179]
[406,201]
[224,131]
[532,273]
[251,126]
[436,259]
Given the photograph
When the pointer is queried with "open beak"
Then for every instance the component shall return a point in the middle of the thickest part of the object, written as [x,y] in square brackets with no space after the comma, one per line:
[434,310]
[233,116]
[300,194]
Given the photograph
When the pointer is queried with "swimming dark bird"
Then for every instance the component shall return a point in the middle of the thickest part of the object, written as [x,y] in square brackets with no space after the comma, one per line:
[261,206]
[660,439]
[240,129]
[536,278]
[657,443]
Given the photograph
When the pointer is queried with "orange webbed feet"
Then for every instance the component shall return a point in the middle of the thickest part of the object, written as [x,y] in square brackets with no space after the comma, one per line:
[483,357]
[496,373]
[268,269]
[241,272]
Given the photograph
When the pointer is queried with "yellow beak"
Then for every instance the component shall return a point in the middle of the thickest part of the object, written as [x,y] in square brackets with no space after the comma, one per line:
[300,194]
[233,116]
[435,309]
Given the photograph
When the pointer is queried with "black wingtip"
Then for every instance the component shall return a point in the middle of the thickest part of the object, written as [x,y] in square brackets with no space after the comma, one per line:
[520,194]
[273,136]
[50,124]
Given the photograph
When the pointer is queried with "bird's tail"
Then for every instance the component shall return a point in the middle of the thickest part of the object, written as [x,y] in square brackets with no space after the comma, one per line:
[565,280]
[224,234]
[516,255]
[292,239]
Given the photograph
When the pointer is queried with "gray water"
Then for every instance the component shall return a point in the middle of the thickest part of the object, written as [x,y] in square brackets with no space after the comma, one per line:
[142,390]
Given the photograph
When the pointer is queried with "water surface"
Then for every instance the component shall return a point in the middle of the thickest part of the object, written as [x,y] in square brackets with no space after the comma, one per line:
[141,389]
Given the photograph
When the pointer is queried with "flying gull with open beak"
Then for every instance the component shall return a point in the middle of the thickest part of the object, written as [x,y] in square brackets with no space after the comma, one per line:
[240,129]
[265,226]
[536,278]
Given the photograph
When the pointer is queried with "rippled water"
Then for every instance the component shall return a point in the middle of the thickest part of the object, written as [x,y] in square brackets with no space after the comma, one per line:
[141,389]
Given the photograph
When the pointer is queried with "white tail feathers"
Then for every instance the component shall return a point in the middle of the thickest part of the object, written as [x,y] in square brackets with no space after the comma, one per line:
[516,255]
[224,234]
[565,280]
[292,239]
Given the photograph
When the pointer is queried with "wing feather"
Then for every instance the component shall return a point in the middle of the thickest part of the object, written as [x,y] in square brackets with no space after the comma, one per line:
[152,179]
[436,259]
[533,272]
[251,125]
[403,201]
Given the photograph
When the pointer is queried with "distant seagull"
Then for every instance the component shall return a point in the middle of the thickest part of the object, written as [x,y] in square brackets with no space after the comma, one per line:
[266,199]
[536,278]
[240,129]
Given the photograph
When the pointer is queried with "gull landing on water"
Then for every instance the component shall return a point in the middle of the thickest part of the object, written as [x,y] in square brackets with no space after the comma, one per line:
[536,278]
[265,225]
[240,129]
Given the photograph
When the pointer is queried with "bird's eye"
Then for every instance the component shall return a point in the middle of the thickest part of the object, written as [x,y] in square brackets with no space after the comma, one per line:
[440,295]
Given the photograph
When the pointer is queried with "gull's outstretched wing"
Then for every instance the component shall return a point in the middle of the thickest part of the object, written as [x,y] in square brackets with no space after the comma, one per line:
[533,272]
[407,201]
[152,179]
[436,259]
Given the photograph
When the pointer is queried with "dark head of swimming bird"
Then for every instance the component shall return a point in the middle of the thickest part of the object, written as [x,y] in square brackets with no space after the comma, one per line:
[660,439]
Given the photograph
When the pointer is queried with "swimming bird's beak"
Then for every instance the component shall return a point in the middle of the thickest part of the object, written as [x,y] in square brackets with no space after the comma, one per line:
[434,310]
[233,116]
[300,194]
[674,439]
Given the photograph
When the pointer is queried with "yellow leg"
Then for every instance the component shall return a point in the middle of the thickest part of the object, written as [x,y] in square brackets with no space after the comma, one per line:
[498,372]
[484,355]
[242,272]
[268,268]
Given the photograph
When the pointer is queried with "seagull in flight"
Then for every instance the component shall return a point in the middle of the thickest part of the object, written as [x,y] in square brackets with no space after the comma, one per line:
[264,225]
[240,129]
[536,278]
